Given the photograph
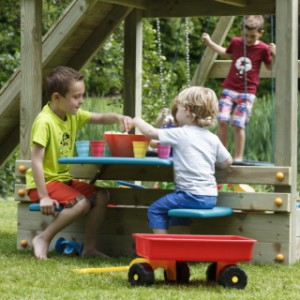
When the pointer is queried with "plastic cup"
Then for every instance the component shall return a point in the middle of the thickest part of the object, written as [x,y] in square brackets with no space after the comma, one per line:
[82,148]
[139,149]
[106,152]
[97,147]
[163,150]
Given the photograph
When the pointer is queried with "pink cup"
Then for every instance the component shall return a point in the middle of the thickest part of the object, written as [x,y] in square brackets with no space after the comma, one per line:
[97,148]
[163,150]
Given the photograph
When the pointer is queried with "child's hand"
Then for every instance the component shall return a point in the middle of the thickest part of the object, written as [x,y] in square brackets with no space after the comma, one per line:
[164,111]
[47,206]
[272,48]
[126,123]
[205,38]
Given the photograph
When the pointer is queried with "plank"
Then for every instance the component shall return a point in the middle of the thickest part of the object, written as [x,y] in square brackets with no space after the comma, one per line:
[238,201]
[267,252]
[286,99]
[140,4]
[220,69]
[256,201]
[235,174]
[239,3]
[207,60]
[254,175]
[31,65]
[194,8]
[269,228]
[133,53]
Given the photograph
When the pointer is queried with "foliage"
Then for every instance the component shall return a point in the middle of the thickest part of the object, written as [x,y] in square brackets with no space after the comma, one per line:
[10,31]
[9,38]
[7,176]
[103,74]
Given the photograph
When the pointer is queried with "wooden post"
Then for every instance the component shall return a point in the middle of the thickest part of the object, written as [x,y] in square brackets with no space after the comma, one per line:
[133,64]
[286,101]
[209,55]
[31,70]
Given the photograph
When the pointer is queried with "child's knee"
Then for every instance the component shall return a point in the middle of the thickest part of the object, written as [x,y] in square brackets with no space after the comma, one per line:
[102,197]
[83,205]
[223,124]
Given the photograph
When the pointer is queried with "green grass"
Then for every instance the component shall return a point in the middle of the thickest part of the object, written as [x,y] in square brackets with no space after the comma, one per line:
[24,277]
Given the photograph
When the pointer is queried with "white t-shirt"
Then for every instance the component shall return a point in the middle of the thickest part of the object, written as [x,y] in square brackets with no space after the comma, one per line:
[195,152]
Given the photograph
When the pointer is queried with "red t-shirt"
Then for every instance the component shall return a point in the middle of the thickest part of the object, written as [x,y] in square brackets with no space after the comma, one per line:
[255,55]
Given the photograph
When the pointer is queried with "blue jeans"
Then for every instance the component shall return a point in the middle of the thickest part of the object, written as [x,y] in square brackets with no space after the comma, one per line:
[158,211]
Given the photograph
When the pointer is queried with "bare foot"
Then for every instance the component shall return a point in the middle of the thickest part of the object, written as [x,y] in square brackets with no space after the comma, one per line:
[92,253]
[40,247]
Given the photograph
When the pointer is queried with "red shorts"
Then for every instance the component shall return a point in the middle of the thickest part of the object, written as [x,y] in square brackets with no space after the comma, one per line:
[67,194]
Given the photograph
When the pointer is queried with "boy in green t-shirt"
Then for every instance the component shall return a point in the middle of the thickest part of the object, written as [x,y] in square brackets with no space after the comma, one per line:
[50,183]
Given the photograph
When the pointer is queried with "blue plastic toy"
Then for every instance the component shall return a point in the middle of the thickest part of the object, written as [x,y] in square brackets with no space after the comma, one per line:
[68,247]
[36,207]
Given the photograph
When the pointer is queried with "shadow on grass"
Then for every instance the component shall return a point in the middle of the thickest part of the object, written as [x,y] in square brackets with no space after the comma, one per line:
[192,282]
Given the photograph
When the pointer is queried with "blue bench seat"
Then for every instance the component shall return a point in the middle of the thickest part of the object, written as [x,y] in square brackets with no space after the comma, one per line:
[217,211]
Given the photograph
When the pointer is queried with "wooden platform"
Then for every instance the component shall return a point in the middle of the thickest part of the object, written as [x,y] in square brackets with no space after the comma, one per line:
[265,217]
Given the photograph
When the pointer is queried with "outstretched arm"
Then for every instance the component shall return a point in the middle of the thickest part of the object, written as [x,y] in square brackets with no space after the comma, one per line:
[214,46]
[145,128]
[112,118]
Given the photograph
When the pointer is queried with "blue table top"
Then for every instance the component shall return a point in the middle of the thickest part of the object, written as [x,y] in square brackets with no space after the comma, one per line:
[154,161]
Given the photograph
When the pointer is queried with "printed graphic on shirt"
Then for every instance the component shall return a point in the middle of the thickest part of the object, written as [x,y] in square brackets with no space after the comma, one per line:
[243,64]
[65,145]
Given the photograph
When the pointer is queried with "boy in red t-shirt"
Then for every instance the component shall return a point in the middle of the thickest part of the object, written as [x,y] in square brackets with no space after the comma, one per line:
[239,87]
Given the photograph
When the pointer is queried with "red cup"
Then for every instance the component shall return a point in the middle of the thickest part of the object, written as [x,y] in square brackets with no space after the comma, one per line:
[97,147]
[163,150]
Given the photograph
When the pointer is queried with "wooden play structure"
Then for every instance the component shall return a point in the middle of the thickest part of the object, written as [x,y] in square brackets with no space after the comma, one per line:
[270,218]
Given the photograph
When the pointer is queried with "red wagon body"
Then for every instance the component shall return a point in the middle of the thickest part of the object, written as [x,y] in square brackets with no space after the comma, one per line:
[208,248]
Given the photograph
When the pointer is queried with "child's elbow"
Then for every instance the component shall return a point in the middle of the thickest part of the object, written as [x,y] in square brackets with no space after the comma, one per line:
[225,164]
[228,162]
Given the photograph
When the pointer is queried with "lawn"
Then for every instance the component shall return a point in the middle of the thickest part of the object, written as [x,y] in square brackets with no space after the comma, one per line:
[24,277]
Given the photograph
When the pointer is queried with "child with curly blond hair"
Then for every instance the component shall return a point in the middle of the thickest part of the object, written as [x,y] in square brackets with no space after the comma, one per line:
[196,152]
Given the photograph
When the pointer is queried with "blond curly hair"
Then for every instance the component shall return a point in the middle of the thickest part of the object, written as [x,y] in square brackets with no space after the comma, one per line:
[202,103]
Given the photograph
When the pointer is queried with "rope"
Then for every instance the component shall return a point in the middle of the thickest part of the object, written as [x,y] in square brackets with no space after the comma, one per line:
[187,52]
[175,54]
[245,82]
[161,75]
[272,92]
[187,56]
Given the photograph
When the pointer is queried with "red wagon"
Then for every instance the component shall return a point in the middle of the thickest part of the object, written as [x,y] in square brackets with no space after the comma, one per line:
[172,251]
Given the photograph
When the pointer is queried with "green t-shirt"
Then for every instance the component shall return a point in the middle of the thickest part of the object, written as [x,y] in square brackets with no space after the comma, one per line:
[58,138]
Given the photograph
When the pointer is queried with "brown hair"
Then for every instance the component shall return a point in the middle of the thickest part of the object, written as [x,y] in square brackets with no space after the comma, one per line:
[60,79]
[254,22]
[202,103]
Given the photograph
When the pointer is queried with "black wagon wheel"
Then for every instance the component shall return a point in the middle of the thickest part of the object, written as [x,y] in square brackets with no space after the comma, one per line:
[182,272]
[141,274]
[233,277]
[211,272]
